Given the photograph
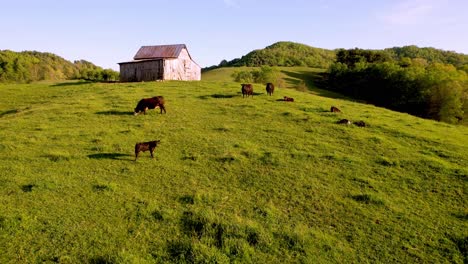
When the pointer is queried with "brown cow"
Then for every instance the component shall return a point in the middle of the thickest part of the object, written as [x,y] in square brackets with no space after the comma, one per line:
[288,99]
[247,89]
[145,146]
[270,88]
[150,103]
[335,109]
[360,123]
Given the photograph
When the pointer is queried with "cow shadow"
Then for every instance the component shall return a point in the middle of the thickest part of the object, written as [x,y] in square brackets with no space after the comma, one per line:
[71,83]
[217,96]
[114,112]
[113,156]
[9,112]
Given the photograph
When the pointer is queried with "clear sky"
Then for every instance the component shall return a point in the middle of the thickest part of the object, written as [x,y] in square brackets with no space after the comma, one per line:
[106,32]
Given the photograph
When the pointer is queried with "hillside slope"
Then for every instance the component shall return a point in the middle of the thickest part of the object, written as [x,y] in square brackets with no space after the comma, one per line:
[298,78]
[253,180]
[29,66]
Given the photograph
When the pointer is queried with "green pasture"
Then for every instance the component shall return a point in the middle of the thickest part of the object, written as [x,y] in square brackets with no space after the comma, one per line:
[297,78]
[234,180]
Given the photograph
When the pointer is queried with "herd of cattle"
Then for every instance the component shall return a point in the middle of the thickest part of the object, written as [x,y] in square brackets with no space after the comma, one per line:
[247,90]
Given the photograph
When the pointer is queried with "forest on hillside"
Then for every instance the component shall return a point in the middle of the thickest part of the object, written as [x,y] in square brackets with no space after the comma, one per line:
[30,66]
[425,82]
[283,53]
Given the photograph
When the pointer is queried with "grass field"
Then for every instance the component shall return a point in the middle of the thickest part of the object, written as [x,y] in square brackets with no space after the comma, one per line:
[298,78]
[252,180]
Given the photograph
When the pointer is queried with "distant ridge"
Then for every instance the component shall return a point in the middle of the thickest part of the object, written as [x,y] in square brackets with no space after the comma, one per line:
[429,54]
[286,53]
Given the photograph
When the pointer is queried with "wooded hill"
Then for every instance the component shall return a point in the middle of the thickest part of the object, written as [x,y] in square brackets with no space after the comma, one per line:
[284,54]
[434,85]
[295,54]
[431,55]
[28,66]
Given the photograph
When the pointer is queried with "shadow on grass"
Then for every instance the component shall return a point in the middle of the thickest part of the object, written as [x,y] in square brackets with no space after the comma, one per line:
[367,199]
[461,215]
[9,112]
[204,97]
[71,83]
[316,83]
[28,187]
[114,156]
[114,112]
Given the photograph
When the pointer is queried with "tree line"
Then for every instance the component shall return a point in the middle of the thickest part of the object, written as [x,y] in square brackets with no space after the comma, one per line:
[425,82]
[29,66]
[264,74]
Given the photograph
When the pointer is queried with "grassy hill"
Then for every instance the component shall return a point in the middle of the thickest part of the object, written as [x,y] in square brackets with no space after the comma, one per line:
[252,180]
[298,78]
[30,66]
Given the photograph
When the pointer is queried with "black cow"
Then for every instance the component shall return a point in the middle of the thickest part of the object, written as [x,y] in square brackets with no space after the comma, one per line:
[247,89]
[150,103]
[288,99]
[344,121]
[145,146]
[360,123]
[270,88]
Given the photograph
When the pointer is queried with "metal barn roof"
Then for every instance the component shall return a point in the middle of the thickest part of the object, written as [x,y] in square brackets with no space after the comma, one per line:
[160,51]
[138,61]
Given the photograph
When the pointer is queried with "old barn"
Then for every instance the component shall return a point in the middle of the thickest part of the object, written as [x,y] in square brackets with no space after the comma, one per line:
[162,62]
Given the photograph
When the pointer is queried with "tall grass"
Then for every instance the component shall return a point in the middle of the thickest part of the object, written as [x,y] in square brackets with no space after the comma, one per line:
[252,180]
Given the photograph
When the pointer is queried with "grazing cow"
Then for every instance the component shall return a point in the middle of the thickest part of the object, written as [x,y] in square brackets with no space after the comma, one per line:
[344,121]
[150,103]
[335,109]
[288,99]
[360,124]
[247,89]
[270,88]
[145,146]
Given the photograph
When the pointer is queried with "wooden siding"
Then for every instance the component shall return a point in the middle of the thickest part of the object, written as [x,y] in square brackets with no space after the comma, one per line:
[181,68]
[151,70]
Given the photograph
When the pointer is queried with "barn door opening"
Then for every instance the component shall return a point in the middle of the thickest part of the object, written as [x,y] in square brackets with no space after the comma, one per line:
[160,70]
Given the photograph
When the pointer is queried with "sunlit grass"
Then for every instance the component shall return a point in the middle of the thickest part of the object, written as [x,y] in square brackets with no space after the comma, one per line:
[252,180]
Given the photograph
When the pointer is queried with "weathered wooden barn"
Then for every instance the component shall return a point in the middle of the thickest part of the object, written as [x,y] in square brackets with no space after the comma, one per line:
[162,62]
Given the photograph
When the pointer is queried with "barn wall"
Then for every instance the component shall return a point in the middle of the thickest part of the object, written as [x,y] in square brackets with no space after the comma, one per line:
[181,68]
[141,71]
[173,70]
[127,72]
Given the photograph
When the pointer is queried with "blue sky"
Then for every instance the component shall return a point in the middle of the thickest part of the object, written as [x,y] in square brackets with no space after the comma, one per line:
[106,32]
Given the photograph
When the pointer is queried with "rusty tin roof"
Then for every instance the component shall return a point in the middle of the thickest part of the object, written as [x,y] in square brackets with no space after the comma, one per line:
[159,51]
